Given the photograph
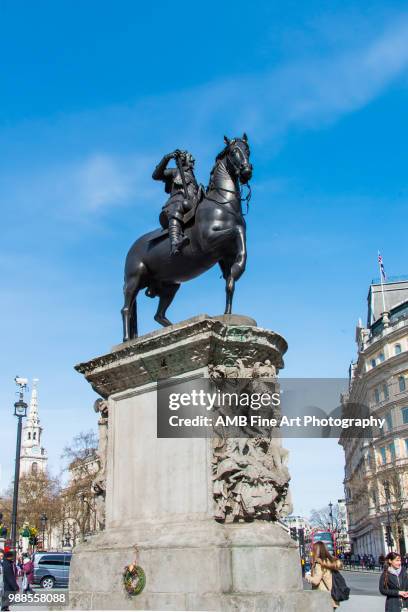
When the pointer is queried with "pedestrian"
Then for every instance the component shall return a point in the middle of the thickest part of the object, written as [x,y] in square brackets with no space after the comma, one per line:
[8,583]
[28,574]
[394,583]
[19,565]
[381,561]
[323,564]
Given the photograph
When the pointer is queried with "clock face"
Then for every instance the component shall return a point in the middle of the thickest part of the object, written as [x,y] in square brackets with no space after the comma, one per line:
[36,449]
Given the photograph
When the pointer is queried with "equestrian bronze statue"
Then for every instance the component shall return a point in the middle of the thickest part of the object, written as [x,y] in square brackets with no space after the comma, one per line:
[199,229]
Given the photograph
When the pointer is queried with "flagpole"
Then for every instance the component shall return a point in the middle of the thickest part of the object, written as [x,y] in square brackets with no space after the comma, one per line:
[381,280]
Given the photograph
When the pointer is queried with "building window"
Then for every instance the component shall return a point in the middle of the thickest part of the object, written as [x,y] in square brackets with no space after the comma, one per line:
[373,363]
[377,396]
[34,435]
[34,468]
[385,391]
[404,415]
[388,419]
[406,447]
[401,383]
[391,448]
[29,435]
[383,454]
[397,349]
[381,357]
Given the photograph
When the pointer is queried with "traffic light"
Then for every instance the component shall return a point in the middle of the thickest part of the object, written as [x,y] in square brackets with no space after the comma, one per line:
[388,536]
[293,533]
[301,536]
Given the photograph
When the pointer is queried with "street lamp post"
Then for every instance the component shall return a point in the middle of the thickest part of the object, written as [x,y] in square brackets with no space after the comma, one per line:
[43,521]
[389,539]
[3,531]
[331,515]
[20,411]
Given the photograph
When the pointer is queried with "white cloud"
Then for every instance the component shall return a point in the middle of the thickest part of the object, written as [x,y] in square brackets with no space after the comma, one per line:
[89,185]
[103,180]
[314,91]
[334,86]
[303,93]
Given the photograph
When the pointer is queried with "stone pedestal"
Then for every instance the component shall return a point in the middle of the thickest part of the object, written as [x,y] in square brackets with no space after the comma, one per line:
[160,492]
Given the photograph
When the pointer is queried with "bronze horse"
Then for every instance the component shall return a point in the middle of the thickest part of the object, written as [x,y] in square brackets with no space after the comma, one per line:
[216,234]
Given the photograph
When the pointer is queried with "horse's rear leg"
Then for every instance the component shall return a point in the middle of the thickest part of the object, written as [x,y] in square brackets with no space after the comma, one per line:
[133,331]
[167,293]
[129,314]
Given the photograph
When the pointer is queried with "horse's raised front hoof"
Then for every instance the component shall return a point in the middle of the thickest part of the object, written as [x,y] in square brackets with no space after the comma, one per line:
[162,320]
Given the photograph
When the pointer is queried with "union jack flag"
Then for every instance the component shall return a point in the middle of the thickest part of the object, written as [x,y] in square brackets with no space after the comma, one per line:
[381,264]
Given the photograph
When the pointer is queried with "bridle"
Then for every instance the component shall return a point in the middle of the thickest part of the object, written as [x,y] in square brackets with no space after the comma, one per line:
[234,148]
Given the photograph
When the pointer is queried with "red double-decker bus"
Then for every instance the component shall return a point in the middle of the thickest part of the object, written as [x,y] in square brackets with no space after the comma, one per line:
[327,537]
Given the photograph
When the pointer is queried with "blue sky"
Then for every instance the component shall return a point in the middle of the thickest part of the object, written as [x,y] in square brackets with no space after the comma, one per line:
[93,94]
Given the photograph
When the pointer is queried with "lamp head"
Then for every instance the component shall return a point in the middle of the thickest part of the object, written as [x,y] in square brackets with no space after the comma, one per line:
[20,409]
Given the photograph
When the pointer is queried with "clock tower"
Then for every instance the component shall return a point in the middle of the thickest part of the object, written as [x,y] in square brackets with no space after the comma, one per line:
[33,459]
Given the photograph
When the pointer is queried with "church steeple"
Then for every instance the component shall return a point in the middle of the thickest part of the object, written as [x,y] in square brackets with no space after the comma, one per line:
[33,455]
[33,419]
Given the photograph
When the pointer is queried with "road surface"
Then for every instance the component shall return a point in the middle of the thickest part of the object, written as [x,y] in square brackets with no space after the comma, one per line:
[364,593]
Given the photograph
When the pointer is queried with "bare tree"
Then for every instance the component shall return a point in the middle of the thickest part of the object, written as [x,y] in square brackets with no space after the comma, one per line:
[323,519]
[6,503]
[82,446]
[394,500]
[82,464]
[38,493]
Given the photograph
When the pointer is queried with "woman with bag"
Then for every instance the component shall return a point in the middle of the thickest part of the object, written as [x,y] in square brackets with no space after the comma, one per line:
[394,583]
[323,566]
[28,575]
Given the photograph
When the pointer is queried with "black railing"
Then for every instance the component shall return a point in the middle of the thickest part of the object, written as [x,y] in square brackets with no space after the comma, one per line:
[361,566]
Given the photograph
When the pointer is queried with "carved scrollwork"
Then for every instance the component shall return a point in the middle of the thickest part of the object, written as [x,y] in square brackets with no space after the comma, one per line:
[101,406]
[250,475]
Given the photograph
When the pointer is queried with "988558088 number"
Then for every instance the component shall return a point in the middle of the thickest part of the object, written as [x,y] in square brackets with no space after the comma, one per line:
[37,598]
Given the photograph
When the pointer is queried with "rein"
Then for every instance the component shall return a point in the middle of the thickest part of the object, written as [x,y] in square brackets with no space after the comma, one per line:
[245,199]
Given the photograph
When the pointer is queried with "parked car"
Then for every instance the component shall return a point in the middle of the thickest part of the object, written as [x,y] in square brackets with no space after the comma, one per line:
[51,569]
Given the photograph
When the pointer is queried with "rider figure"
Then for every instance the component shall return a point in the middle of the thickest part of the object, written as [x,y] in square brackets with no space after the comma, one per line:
[179,202]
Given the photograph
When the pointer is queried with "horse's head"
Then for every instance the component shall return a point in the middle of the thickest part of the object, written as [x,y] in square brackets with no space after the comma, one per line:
[237,155]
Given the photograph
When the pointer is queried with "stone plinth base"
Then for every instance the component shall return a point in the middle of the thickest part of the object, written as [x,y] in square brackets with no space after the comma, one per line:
[161,493]
[196,566]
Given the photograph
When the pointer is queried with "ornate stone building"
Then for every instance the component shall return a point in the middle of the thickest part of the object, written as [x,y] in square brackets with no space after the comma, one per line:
[297,522]
[343,539]
[376,470]
[84,495]
[33,456]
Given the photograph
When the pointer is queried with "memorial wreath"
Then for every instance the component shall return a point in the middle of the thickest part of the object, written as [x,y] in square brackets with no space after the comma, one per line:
[134,579]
